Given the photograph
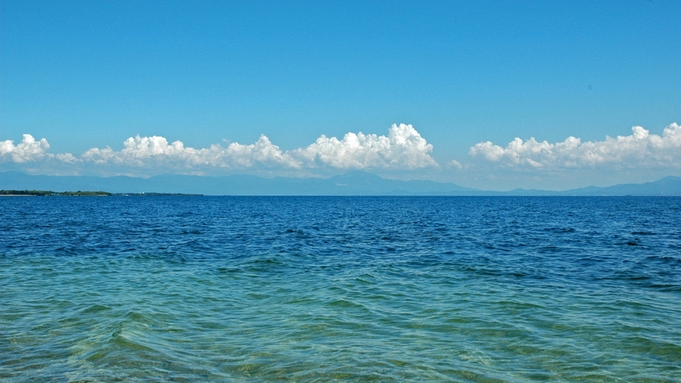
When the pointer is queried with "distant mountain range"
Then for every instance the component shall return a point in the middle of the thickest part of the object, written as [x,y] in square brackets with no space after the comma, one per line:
[351,183]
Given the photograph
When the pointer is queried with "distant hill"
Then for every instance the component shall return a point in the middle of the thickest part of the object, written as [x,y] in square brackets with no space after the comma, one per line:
[351,183]
[668,186]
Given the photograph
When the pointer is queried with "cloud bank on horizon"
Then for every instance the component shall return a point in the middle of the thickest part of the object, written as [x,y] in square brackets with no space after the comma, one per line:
[640,149]
[402,149]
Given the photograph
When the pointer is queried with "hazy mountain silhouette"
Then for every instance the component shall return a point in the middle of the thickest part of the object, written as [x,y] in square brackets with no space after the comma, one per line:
[350,183]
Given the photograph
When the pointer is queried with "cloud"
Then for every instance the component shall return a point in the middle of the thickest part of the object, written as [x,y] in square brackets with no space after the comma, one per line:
[403,148]
[454,164]
[640,149]
[155,151]
[27,150]
[67,158]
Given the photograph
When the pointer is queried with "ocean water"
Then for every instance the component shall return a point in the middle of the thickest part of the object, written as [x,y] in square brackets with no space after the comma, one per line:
[317,289]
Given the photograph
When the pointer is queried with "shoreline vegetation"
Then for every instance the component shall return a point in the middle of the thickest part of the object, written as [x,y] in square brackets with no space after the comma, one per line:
[50,193]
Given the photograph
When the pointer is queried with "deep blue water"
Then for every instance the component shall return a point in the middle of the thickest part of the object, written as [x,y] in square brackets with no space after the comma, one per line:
[253,289]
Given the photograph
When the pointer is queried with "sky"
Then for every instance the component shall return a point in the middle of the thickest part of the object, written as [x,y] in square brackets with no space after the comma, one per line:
[487,94]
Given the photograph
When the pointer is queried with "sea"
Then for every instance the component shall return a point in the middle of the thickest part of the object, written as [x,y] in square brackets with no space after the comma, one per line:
[340,289]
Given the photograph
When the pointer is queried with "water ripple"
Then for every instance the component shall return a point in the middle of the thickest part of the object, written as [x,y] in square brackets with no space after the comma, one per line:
[255,289]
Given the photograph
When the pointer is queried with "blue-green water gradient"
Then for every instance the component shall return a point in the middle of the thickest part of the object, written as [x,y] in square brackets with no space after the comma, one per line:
[253,289]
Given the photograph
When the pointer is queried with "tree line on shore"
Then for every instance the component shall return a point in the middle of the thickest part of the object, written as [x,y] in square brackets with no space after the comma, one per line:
[48,193]
[44,193]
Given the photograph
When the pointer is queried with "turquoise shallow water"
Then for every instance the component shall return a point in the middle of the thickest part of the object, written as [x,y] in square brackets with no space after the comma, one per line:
[249,289]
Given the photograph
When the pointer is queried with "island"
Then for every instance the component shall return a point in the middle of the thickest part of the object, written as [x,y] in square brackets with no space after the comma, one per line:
[49,193]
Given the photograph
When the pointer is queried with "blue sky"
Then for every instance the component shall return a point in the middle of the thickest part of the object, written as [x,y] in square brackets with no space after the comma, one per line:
[87,76]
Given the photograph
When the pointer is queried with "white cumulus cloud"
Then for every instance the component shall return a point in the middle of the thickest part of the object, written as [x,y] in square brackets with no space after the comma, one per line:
[67,158]
[26,151]
[155,151]
[402,148]
[640,149]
